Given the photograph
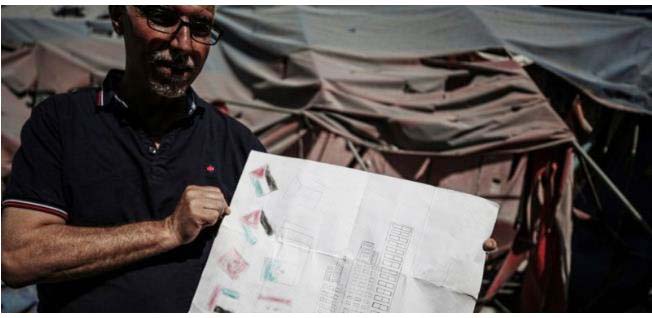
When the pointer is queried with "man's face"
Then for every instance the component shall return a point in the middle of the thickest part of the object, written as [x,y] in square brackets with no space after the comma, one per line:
[167,61]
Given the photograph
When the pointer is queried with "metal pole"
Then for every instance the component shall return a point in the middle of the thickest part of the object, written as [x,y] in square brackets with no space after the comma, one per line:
[630,208]
[357,155]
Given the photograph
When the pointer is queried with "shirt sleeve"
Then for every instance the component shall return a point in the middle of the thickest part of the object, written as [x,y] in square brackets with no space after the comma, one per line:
[256,145]
[36,174]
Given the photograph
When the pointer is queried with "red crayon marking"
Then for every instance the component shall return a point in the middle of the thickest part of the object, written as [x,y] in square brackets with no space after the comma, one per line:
[275,299]
[232,263]
[252,218]
[260,172]
[213,300]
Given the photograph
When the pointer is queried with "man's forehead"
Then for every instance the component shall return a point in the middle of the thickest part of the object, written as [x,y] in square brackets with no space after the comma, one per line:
[206,10]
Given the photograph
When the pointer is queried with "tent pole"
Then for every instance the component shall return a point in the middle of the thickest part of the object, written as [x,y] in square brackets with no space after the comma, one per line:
[594,189]
[357,155]
[632,210]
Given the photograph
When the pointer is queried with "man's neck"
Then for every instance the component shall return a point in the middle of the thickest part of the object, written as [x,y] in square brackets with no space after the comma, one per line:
[157,113]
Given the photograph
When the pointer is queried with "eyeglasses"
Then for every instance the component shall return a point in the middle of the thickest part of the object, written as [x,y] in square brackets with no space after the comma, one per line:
[166,20]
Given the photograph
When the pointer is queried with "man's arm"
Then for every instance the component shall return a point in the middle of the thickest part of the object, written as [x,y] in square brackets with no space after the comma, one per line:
[38,247]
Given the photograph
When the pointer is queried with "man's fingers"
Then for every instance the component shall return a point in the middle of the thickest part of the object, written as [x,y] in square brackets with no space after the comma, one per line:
[209,189]
[209,217]
[489,245]
[214,206]
[210,202]
[217,209]
[193,191]
[208,220]
[212,195]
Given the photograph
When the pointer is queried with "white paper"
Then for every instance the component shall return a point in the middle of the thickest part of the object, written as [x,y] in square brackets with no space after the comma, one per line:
[305,236]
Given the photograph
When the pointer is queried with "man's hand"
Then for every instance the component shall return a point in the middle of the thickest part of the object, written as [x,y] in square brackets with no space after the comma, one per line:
[489,245]
[198,208]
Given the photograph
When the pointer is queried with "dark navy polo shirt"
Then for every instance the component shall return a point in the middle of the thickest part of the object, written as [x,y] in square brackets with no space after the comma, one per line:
[86,159]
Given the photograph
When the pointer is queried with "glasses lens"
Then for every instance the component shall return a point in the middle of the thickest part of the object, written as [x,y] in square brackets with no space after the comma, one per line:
[161,18]
[200,30]
[215,36]
[167,20]
[211,39]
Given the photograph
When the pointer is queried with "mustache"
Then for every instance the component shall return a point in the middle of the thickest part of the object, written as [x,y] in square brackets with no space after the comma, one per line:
[173,59]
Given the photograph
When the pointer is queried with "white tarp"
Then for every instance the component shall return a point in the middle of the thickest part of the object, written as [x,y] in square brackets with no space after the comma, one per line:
[305,236]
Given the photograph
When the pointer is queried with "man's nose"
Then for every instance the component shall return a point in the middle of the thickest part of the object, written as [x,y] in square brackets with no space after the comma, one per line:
[182,40]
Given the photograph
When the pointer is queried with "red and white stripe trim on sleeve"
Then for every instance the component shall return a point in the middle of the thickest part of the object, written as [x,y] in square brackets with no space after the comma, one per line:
[35,206]
[99,97]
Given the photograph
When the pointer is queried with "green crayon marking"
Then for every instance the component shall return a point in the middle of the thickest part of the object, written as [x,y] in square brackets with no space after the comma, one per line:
[249,235]
[230,293]
[259,189]
[268,273]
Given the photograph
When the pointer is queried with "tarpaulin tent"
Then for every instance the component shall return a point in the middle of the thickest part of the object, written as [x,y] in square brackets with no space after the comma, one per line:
[14,114]
[423,93]
[569,43]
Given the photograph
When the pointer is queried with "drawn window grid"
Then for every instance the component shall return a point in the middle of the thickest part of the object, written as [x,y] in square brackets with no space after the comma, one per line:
[332,291]
[361,282]
[329,297]
[396,244]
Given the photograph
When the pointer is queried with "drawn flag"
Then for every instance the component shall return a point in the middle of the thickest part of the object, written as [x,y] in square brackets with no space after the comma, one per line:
[252,219]
[262,181]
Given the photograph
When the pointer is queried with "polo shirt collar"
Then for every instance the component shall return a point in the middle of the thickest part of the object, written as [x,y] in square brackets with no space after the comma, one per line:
[107,92]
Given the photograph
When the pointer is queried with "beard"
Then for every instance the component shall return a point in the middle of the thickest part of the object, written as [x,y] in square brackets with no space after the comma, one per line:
[172,75]
[168,88]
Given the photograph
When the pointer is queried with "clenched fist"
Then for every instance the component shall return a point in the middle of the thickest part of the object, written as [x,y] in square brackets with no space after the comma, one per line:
[198,208]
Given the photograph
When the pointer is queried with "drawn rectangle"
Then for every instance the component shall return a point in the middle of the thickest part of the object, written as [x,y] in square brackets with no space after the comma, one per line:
[380,306]
[393,257]
[386,284]
[388,277]
[383,291]
[232,263]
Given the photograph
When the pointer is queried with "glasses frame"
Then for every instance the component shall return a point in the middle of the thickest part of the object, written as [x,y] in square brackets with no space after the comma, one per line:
[216,31]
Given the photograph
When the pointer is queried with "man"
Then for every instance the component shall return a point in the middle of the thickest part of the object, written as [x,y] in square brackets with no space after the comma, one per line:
[112,188]
[116,193]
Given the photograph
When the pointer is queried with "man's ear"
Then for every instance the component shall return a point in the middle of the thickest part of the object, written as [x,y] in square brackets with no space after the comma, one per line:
[117,13]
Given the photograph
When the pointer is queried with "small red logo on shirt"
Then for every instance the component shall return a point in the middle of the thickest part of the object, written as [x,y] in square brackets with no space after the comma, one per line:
[210,168]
